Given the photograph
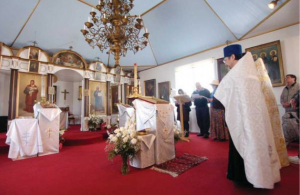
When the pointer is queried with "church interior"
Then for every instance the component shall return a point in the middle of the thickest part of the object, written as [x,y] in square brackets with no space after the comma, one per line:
[80,77]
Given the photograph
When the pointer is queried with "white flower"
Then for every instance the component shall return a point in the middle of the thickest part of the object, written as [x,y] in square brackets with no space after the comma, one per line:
[116,150]
[117,131]
[114,139]
[125,139]
[118,134]
[111,136]
[132,134]
[122,129]
[133,141]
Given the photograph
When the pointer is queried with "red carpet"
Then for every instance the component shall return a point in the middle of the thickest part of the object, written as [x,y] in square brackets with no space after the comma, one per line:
[75,137]
[84,169]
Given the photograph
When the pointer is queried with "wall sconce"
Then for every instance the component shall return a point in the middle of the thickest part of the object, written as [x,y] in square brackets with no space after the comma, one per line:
[273,4]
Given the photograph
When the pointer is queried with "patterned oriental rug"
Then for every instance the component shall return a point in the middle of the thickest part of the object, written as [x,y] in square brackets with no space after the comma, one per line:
[179,164]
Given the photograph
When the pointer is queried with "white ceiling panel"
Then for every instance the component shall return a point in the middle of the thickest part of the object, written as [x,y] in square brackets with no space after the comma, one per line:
[140,6]
[288,14]
[13,15]
[242,16]
[180,28]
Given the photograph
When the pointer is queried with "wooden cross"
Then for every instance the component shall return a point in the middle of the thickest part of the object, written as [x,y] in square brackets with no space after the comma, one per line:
[65,94]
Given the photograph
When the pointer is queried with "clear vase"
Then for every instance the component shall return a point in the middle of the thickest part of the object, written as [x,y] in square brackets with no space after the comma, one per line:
[125,166]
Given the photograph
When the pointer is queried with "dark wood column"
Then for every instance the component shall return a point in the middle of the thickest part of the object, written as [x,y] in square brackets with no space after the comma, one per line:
[49,84]
[86,98]
[108,98]
[12,107]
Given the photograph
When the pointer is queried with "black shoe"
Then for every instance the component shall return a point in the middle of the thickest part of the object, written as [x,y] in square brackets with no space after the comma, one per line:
[205,136]
[200,134]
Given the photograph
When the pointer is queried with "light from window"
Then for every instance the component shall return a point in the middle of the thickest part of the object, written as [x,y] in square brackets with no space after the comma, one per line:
[186,76]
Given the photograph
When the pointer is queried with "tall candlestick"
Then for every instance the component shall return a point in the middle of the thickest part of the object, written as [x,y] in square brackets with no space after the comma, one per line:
[135,75]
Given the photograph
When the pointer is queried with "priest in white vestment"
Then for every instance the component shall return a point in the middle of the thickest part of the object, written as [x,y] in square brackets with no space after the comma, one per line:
[252,153]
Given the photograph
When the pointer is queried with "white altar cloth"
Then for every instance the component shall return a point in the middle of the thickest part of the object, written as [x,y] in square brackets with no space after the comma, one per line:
[124,114]
[64,120]
[49,124]
[24,139]
[145,157]
[160,119]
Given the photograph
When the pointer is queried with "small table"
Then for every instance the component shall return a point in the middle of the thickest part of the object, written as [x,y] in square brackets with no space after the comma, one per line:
[24,139]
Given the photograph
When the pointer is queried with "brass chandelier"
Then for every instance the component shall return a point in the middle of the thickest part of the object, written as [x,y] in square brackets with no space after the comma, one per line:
[115,28]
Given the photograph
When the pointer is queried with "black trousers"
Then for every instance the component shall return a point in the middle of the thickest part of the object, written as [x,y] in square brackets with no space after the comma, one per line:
[203,121]
[186,128]
[236,168]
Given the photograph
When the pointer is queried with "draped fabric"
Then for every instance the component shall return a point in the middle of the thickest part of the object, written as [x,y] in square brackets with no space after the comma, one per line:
[159,118]
[273,111]
[124,114]
[248,121]
[24,139]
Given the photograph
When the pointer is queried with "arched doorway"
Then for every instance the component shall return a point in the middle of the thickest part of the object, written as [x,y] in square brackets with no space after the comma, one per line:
[68,86]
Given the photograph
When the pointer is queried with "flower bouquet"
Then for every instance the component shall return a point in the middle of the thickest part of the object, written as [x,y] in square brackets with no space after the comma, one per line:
[177,134]
[124,142]
[94,121]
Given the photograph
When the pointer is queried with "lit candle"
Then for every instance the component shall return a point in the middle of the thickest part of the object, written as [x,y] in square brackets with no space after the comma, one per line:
[135,75]
[125,16]
[99,2]
[104,16]
[140,87]
[93,9]
[83,27]
[89,19]
[146,30]
[139,16]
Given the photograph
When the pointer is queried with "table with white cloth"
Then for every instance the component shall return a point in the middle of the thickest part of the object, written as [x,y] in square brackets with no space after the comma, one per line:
[49,124]
[64,120]
[24,139]
[145,157]
[159,118]
[125,112]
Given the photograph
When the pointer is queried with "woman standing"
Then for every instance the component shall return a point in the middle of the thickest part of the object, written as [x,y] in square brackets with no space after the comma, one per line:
[186,114]
[219,130]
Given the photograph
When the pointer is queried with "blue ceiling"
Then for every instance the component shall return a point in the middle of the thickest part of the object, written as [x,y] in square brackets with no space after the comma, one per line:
[177,28]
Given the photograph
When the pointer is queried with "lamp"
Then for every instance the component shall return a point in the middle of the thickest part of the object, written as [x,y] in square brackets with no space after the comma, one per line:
[115,28]
[273,4]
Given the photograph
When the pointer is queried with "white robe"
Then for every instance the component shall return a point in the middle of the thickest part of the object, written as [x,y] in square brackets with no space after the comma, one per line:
[249,123]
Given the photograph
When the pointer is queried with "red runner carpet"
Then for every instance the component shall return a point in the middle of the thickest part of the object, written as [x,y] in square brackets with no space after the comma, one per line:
[84,169]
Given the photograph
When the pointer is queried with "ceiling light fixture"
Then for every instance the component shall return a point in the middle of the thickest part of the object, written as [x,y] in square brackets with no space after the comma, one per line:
[273,4]
[115,28]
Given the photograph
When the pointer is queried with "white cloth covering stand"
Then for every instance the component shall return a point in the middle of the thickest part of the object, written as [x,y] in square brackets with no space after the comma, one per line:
[24,139]
[159,118]
[49,124]
[124,114]
[145,157]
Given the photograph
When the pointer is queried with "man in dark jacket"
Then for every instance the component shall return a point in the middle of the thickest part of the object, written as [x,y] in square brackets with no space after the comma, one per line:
[200,97]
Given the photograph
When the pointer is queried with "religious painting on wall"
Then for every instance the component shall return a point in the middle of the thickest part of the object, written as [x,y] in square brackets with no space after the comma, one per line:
[68,58]
[34,66]
[222,69]
[150,88]
[97,94]
[31,87]
[270,53]
[34,53]
[80,93]
[164,90]
[114,99]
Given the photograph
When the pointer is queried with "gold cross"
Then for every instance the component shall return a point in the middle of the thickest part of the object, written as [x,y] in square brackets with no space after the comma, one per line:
[65,94]
[49,131]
